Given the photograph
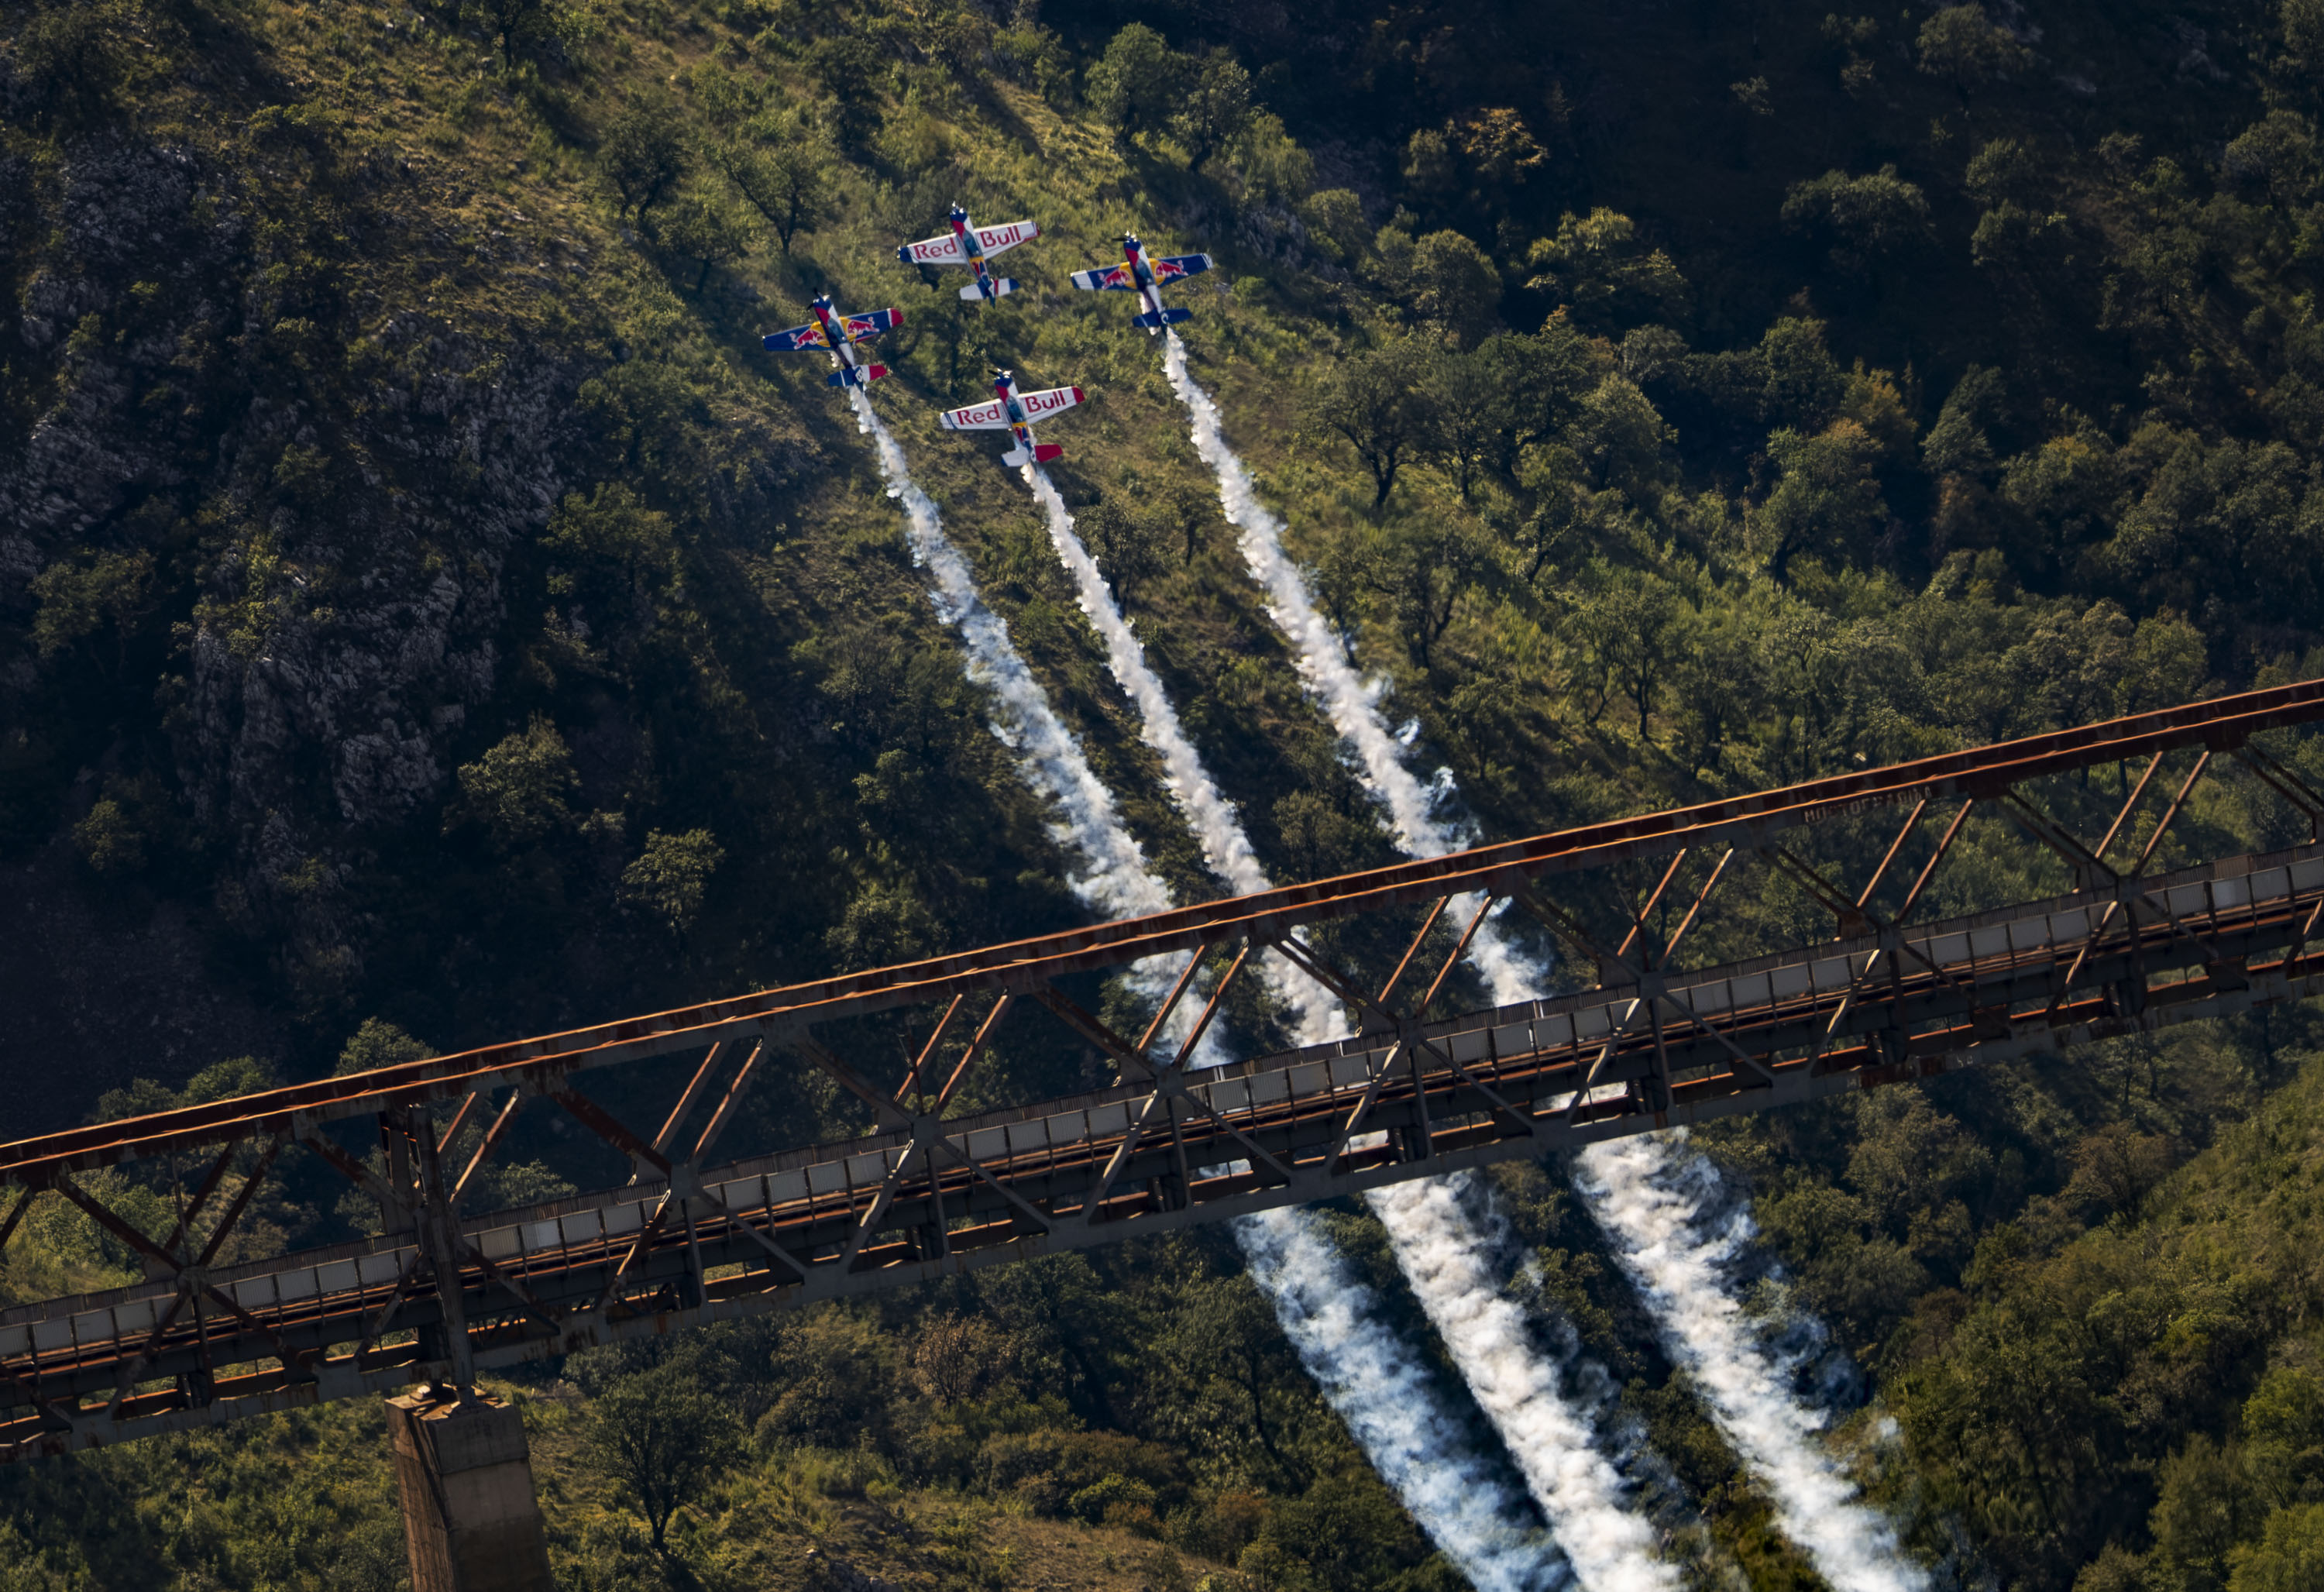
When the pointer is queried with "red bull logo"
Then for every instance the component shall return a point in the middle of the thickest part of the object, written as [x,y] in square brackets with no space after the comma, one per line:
[1042,403]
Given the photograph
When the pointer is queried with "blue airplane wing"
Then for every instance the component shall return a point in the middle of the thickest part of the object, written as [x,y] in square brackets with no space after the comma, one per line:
[1112,278]
[1171,266]
[807,337]
[863,328]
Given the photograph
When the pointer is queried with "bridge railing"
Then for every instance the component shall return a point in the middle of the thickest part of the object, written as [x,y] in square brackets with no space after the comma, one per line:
[933,1189]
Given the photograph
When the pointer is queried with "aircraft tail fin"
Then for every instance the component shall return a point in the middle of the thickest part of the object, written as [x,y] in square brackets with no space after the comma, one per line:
[1168,318]
[1042,452]
[1016,456]
[1001,284]
[861,375]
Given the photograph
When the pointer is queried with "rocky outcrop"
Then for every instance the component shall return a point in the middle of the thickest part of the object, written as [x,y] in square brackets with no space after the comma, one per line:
[340,480]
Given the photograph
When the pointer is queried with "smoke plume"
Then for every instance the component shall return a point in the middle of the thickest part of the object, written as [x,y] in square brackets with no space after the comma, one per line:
[1370,1377]
[1443,1255]
[1113,878]
[1550,1433]
[1673,1261]
[1391,1404]
[1651,1206]
[1314,1016]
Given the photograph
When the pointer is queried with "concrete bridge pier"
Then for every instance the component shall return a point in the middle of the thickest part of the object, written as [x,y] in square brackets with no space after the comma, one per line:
[471,1521]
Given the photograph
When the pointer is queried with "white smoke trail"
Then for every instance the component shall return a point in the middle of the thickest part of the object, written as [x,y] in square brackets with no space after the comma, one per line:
[1368,1376]
[1780,1447]
[1349,701]
[1114,878]
[1391,1405]
[1442,1253]
[1215,822]
[1552,1437]
[1654,1218]
[1315,1017]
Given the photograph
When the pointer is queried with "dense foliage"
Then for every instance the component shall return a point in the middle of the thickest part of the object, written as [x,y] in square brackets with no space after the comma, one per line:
[424,612]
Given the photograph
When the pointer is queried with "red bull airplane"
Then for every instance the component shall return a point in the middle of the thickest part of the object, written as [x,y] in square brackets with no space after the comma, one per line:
[840,334]
[971,246]
[1014,412]
[1144,275]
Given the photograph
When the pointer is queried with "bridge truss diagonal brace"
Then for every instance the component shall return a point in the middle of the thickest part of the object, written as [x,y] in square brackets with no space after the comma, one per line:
[2104,982]
[2090,873]
[1650,979]
[1306,957]
[2247,919]
[2286,782]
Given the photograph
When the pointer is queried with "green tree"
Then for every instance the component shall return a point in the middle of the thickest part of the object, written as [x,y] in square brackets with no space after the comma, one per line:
[2207,1507]
[109,839]
[885,923]
[379,1043]
[1854,35]
[1957,444]
[1500,151]
[1866,219]
[2013,1425]
[516,791]
[849,67]
[1616,431]
[1424,568]
[1137,85]
[77,600]
[1467,405]
[1371,401]
[670,877]
[1334,218]
[2283,1435]
[1545,375]
[1826,496]
[2288,1557]
[786,179]
[2005,177]
[2002,169]
[1322,837]
[1127,545]
[835,1378]
[1799,383]
[644,155]
[2118,1167]
[1629,623]
[661,1436]
[2230,522]
[1969,50]
[1455,286]
[68,65]
[1597,266]
[1431,172]
[1213,106]
[616,559]
[1345,1531]
[2303,28]
[514,23]
[702,227]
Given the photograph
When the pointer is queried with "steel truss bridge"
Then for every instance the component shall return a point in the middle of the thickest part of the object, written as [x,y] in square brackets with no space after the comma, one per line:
[931,1191]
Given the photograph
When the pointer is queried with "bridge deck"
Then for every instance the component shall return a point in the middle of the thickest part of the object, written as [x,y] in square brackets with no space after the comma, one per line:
[930,1192]
[904,1207]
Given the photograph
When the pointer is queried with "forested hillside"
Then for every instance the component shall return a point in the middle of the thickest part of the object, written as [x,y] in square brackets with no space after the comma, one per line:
[428,617]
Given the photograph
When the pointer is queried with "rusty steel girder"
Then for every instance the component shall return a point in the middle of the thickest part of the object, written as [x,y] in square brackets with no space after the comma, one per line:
[926,1193]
